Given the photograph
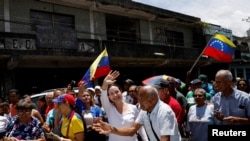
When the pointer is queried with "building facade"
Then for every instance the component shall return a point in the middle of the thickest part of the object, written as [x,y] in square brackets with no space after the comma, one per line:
[47,43]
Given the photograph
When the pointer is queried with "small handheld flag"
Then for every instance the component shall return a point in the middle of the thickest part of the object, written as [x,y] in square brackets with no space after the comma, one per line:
[100,67]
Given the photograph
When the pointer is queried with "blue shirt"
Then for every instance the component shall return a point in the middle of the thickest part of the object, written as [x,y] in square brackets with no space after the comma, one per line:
[50,120]
[237,104]
[209,88]
[95,111]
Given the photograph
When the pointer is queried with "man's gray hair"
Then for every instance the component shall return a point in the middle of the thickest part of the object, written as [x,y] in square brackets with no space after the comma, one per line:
[151,90]
[201,90]
[227,75]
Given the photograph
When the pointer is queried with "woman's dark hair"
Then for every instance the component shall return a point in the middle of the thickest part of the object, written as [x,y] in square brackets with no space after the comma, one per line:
[42,98]
[24,104]
[114,84]
[244,80]
[79,112]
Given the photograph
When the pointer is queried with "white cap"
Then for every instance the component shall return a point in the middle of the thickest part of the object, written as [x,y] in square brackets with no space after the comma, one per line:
[91,89]
[98,87]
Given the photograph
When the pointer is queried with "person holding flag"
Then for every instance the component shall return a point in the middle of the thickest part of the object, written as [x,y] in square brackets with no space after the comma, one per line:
[99,68]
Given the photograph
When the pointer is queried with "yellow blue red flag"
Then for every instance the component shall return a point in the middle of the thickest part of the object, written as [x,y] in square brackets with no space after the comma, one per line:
[220,48]
[99,68]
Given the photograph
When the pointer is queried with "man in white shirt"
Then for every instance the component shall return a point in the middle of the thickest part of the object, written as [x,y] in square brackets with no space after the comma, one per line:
[157,118]
[3,125]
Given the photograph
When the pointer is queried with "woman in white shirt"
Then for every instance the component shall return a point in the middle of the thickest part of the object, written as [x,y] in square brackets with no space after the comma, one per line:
[120,114]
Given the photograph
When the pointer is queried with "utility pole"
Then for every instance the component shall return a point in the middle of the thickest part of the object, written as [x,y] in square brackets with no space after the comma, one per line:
[248,31]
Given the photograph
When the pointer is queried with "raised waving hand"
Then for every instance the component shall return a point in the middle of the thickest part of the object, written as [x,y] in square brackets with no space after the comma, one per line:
[110,79]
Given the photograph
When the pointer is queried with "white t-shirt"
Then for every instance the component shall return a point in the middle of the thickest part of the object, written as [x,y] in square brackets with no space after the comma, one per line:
[3,123]
[88,117]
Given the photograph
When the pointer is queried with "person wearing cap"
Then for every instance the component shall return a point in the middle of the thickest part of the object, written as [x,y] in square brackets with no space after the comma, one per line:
[208,87]
[97,96]
[98,102]
[133,94]
[163,90]
[126,96]
[53,117]
[71,125]
[177,95]
[194,84]
[92,90]
[14,97]
[179,87]
[120,113]
[156,117]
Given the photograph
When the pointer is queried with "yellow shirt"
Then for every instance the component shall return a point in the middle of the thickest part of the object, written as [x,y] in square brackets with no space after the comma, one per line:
[76,126]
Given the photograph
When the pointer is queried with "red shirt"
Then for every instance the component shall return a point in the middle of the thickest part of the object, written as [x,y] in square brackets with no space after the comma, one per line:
[48,108]
[176,107]
[13,111]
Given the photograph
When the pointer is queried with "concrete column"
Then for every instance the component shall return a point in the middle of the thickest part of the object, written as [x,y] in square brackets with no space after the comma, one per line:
[6,16]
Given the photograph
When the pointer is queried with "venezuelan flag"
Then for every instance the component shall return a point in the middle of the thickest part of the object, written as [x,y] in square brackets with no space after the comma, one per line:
[99,68]
[220,48]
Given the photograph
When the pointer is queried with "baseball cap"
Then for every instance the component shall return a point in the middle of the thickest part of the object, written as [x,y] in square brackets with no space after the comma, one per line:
[178,81]
[195,81]
[98,87]
[129,81]
[202,77]
[161,83]
[65,98]
[91,89]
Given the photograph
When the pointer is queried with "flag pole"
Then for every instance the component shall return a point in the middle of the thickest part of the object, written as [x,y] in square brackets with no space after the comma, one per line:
[196,61]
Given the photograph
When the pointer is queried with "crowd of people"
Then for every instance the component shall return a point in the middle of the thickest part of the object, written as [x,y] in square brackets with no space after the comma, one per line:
[133,112]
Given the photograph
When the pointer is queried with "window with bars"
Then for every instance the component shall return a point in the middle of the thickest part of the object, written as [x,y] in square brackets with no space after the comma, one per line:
[42,18]
[174,38]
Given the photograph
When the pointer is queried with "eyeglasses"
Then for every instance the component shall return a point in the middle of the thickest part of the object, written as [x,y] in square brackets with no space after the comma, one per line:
[26,111]
[198,95]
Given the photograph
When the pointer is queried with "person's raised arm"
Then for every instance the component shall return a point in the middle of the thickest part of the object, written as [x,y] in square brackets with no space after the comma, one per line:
[82,88]
[105,128]
[110,79]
